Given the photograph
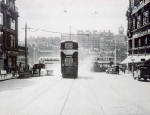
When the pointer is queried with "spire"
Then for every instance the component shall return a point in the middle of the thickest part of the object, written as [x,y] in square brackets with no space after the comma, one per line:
[121,30]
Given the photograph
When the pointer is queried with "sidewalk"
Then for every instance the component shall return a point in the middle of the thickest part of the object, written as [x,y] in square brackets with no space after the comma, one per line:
[127,74]
[7,77]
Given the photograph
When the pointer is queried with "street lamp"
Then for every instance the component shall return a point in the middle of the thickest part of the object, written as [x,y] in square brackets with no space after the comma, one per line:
[132,59]
[26,49]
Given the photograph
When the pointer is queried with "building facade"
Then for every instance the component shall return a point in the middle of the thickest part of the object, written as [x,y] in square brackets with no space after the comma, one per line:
[138,33]
[8,35]
[103,43]
[43,47]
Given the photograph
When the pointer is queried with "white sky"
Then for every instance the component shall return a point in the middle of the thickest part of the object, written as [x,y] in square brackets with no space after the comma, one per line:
[81,14]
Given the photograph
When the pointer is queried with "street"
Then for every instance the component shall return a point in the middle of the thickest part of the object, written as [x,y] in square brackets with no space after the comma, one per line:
[90,94]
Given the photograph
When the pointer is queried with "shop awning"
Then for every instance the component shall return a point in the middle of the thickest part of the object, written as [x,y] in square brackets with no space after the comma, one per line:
[127,60]
[135,59]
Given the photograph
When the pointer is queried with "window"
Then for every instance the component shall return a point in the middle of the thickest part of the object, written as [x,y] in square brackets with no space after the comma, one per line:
[1,18]
[68,61]
[134,23]
[139,43]
[5,1]
[136,43]
[68,45]
[1,35]
[11,5]
[12,42]
[139,21]
[148,40]
[12,24]
[130,44]
[146,17]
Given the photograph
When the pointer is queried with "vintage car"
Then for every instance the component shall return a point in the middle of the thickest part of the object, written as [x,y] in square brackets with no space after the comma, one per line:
[113,70]
[142,72]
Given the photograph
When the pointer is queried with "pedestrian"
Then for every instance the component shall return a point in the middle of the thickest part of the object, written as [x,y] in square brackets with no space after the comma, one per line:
[117,69]
[39,71]
[123,69]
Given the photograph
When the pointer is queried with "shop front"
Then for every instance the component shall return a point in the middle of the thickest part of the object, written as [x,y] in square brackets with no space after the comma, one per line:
[11,62]
[132,62]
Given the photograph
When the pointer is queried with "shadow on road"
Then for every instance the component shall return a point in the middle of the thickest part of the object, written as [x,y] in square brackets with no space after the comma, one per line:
[85,77]
[144,80]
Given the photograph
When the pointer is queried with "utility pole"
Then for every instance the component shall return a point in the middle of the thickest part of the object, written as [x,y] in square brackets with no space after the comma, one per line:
[70,31]
[115,53]
[26,48]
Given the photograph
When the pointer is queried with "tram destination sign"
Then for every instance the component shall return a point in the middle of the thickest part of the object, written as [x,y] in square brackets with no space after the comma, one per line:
[68,45]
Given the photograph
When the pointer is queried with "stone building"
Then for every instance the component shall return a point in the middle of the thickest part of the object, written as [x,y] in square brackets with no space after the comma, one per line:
[42,47]
[8,34]
[138,15]
[103,43]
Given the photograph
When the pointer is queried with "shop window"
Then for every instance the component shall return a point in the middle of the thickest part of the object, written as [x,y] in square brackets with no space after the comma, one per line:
[148,40]
[130,44]
[135,51]
[142,51]
[143,42]
[148,50]
[130,52]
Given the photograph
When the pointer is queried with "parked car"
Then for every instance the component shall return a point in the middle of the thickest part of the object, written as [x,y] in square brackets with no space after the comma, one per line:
[142,72]
[113,70]
[108,69]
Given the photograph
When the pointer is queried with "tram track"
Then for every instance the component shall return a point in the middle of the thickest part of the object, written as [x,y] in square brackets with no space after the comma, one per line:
[126,103]
[39,94]
[130,102]
[100,107]
[67,97]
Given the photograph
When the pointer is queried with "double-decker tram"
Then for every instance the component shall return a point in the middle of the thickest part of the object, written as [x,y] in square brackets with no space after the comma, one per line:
[69,59]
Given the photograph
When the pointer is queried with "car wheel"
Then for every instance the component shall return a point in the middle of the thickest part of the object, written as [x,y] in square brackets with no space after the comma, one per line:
[139,79]
[145,79]
[134,78]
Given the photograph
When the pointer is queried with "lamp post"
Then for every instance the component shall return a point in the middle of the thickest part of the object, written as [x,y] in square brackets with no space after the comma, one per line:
[132,59]
[26,58]
[115,52]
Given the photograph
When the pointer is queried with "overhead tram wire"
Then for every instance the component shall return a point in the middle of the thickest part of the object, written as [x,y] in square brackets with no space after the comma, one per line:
[43,30]
[54,32]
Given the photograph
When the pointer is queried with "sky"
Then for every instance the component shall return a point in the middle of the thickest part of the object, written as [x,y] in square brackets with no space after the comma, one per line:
[66,15]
